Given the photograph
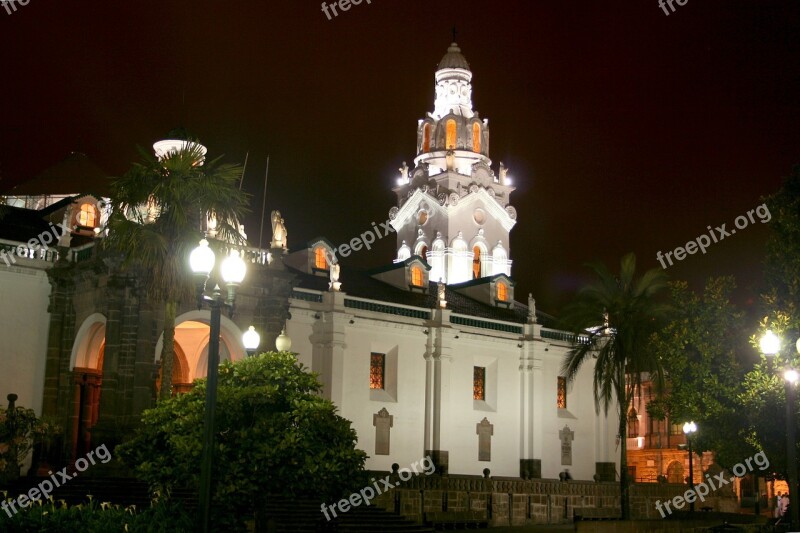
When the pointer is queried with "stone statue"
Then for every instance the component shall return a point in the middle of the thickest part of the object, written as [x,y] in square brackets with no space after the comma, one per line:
[404,171]
[503,173]
[279,233]
[441,291]
[531,309]
[335,285]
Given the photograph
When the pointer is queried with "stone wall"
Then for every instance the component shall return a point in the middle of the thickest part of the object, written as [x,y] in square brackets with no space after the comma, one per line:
[518,502]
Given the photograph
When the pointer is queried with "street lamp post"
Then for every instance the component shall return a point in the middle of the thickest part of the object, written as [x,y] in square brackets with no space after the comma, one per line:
[771,345]
[790,381]
[233,270]
[688,429]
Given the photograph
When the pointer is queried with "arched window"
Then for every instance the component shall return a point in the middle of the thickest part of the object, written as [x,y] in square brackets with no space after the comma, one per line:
[476,137]
[451,135]
[476,263]
[423,252]
[416,276]
[87,217]
[320,261]
[426,138]
[502,291]
[633,424]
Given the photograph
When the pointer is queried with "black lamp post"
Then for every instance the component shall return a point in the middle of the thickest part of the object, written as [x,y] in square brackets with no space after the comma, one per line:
[233,269]
[771,345]
[688,429]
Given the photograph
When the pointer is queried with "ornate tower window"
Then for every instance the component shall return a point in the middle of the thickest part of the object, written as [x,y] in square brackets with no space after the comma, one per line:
[451,135]
[426,138]
[320,261]
[476,263]
[377,370]
[87,216]
[479,383]
[416,276]
[562,392]
[502,291]
[476,137]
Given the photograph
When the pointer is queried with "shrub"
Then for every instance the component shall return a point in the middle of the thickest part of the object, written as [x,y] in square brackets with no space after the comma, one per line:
[58,517]
[274,434]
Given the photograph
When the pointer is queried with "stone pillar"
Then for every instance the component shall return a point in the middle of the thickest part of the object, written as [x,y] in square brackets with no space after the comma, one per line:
[329,338]
[107,430]
[439,357]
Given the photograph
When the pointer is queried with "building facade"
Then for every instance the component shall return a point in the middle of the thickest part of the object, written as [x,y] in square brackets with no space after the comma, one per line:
[429,355]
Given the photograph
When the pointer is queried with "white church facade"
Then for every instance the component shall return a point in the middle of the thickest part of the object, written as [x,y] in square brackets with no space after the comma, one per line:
[429,355]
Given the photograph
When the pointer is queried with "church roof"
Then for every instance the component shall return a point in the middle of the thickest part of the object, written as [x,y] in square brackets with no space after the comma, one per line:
[76,173]
[453,59]
[360,284]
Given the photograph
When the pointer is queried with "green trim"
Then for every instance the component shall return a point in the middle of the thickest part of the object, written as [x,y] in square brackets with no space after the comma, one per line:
[484,324]
[388,309]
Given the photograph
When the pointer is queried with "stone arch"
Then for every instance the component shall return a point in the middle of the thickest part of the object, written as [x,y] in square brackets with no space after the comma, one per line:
[675,472]
[192,339]
[89,341]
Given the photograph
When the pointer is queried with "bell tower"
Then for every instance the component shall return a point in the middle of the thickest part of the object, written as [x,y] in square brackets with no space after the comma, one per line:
[452,209]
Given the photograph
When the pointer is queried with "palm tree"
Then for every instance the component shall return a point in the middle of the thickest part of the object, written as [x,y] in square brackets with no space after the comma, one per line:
[619,348]
[160,207]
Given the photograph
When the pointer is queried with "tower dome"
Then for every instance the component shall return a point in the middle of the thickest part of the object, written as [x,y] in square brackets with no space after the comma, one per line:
[453,59]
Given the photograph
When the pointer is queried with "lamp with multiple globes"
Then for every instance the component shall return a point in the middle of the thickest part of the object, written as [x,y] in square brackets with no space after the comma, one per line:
[770,345]
[232,270]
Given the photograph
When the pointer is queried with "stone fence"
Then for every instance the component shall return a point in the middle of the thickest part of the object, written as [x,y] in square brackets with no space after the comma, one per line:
[512,501]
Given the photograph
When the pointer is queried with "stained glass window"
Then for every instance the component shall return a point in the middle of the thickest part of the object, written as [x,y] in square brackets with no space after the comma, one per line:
[479,383]
[562,392]
[416,276]
[87,216]
[451,134]
[377,370]
[320,261]
[426,138]
[502,292]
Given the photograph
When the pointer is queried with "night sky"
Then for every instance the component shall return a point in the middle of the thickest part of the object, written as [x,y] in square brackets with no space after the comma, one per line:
[624,129]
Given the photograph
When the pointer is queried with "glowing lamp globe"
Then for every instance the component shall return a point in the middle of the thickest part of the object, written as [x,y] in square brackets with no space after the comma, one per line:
[202,259]
[233,268]
[770,343]
[251,339]
[689,428]
[283,343]
[791,376]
